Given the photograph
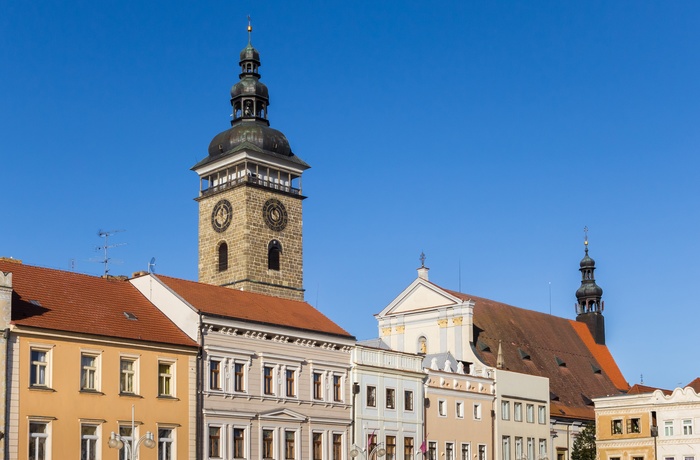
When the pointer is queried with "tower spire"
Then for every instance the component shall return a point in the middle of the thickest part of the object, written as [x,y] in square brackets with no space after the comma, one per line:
[250,32]
[589,306]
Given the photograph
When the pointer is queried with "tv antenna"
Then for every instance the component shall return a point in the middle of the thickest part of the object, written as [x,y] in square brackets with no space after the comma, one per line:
[151,265]
[106,246]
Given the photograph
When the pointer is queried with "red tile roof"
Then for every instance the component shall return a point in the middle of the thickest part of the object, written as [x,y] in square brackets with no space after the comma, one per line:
[695,385]
[638,389]
[544,345]
[249,306]
[65,301]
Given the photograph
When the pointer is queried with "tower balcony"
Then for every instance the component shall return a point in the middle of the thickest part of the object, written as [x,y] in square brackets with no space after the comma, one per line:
[250,174]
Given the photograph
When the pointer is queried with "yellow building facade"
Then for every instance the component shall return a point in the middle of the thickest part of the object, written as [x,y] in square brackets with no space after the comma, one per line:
[624,432]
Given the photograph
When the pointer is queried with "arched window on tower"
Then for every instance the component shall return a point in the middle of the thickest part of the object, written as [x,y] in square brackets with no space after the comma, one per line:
[223,256]
[274,249]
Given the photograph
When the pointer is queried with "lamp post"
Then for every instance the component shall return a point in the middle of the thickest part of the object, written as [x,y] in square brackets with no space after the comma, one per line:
[132,447]
[378,449]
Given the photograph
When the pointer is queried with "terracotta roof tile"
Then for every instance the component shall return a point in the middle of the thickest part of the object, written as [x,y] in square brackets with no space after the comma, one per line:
[249,306]
[638,389]
[695,385]
[72,302]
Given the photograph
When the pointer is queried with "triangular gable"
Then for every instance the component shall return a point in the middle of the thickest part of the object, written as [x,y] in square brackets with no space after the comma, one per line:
[419,295]
[283,415]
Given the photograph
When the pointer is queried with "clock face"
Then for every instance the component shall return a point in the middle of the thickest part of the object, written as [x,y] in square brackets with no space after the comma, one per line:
[221,215]
[275,215]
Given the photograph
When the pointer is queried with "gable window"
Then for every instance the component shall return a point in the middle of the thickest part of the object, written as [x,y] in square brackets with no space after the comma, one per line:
[38,440]
[505,410]
[165,378]
[518,412]
[633,425]
[267,380]
[39,367]
[291,387]
[408,400]
[371,396]
[88,442]
[687,427]
[616,427]
[390,398]
[215,374]
[238,377]
[337,388]
[238,443]
[318,386]
[223,257]
[274,249]
[88,372]
[127,380]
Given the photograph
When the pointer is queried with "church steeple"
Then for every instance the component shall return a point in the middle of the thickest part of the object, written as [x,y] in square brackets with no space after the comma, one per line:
[249,97]
[589,306]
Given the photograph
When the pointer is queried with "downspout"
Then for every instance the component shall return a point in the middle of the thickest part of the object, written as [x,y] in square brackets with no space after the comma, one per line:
[8,394]
[199,435]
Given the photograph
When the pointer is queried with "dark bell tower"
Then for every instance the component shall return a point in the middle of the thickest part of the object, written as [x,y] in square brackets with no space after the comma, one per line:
[589,306]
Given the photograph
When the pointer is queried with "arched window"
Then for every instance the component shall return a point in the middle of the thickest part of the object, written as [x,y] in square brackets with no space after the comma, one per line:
[274,249]
[223,256]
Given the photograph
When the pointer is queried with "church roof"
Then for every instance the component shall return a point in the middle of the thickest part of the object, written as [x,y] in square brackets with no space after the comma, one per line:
[539,344]
[253,307]
[72,302]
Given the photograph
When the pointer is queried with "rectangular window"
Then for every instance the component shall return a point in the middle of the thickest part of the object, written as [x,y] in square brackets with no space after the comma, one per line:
[238,443]
[390,398]
[637,458]
[464,454]
[88,442]
[541,415]
[38,438]
[267,377]
[543,448]
[126,435]
[318,386]
[668,428]
[38,376]
[505,410]
[518,412]
[616,427]
[530,448]
[165,379]
[317,441]
[449,451]
[459,409]
[289,450]
[215,374]
[215,441]
[291,387]
[88,372]
[482,452]
[407,448]
[267,444]
[408,400]
[442,408]
[127,378]
[518,448]
[506,448]
[477,411]
[337,446]
[371,443]
[239,377]
[337,388]
[432,450]
[371,396]
[530,413]
[689,457]
[166,440]
[390,448]
[633,425]
[687,427]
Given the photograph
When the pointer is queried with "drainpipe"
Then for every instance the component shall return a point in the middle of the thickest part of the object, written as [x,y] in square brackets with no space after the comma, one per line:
[8,366]
[199,435]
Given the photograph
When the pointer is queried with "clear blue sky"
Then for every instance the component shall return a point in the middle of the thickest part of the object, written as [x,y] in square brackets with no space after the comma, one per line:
[486,134]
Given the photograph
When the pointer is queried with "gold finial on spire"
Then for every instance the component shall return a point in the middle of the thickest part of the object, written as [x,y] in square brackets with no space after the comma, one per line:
[250,29]
[585,235]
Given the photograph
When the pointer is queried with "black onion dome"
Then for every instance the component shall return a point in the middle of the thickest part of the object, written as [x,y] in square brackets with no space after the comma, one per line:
[249,86]
[258,134]
[250,54]
[589,290]
[587,262]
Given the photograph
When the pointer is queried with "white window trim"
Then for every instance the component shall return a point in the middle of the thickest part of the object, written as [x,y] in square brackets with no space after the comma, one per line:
[222,373]
[246,372]
[274,384]
[137,372]
[296,371]
[97,438]
[246,440]
[477,412]
[48,349]
[46,421]
[459,410]
[97,354]
[341,377]
[173,377]
[442,404]
[173,438]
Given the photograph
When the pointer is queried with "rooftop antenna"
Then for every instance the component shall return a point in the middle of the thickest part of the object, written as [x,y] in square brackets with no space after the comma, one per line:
[151,265]
[106,246]
[460,275]
[550,297]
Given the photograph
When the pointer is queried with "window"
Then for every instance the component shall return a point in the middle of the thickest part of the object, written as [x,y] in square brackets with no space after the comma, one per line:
[459,409]
[88,372]
[126,435]
[668,428]
[317,441]
[215,441]
[291,387]
[482,452]
[318,385]
[505,410]
[267,444]
[442,408]
[390,447]
[215,374]
[633,425]
[267,377]
[543,448]
[337,446]
[477,411]
[289,450]
[127,378]
[408,448]
[637,458]
[390,398]
[166,440]
[541,415]
[464,455]
[337,388]
[38,376]
[408,400]
[518,448]
[687,427]
[239,377]
[530,448]
[38,439]
[371,396]
[88,442]
[506,448]
[274,249]
[238,443]
[616,427]
[165,379]
[530,413]
[432,450]
[223,257]
[449,451]
[518,412]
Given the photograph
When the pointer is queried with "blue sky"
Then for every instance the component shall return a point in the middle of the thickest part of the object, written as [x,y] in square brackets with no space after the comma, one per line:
[485,134]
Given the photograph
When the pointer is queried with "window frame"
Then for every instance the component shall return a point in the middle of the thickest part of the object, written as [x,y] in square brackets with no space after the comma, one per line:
[442,408]
[616,426]
[214,441]
[337,388]
[131,375]
[239,378]
[449,450]
[634,425]
[290,382]
[238,443]
[215,374]
[465,449]
[290,449]
[517,412]
[35,365]
[34,439]
[687,425]
[390,446]
[390,398]
[408,400]
[668,427]
[267,444]
[316,445]
[90,443]
[87,371]
[476,411]
[167,379]
[408,447]
[337,446]
[268,374]
[459,409]
[317,386]
[542,414]
[530,413]
[505,410]
[168,443]
[371,396]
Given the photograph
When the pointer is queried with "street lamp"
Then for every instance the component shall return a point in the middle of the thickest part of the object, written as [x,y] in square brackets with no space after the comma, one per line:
[117,441]
[378,449]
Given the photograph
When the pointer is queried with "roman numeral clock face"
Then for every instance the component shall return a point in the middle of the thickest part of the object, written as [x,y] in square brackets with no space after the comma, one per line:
[275,215]
[221,215]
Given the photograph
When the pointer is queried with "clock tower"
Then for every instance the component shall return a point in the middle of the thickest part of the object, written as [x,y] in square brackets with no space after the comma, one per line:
[250,225]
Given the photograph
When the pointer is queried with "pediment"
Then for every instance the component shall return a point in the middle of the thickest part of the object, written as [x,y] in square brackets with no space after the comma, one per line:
[283,415]
[418,296]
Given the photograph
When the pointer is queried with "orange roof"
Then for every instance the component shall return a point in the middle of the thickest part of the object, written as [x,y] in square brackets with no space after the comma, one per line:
[65,301]
[638,389]
[249,306]
[548,346]
[695,385]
